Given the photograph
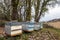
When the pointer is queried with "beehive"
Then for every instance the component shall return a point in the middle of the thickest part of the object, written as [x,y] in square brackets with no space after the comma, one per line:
[29,27]
[38,26]
[13,28]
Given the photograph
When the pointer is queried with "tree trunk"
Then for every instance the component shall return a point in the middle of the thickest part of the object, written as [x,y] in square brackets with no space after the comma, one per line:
[28,10]
[37,10]
[20,19]
[41,10]
[14,10]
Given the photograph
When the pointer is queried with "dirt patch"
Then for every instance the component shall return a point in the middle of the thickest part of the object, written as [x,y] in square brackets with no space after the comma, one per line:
[2,32]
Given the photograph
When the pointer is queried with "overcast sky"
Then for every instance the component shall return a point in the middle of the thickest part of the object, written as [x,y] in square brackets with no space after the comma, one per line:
[53,13]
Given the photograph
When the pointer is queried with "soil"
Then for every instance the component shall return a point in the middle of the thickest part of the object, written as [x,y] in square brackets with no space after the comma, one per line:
[1,30]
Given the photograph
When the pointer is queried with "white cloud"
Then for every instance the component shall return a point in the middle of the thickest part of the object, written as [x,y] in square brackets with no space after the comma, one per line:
[54,13]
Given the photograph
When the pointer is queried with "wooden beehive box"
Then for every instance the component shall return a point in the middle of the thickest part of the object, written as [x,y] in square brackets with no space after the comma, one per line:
[38,26]
[13,28]
[28,27]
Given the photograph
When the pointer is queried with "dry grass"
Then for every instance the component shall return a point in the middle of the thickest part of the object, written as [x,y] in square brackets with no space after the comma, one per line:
[54,24]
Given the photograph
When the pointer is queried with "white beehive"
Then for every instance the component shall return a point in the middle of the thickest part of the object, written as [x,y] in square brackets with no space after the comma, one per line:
[38,26]
[13,28]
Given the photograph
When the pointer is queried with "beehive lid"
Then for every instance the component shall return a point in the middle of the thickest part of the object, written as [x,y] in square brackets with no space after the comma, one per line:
[30,23]
[13,23]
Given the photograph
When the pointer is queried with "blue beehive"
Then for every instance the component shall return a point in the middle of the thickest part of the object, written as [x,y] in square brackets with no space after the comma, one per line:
[38,26]
[28,26]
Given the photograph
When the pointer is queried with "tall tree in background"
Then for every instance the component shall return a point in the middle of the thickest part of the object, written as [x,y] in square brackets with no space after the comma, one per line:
[5,8]
[14,10]
[19,9]
[37,7]
[43,8]
[40,8]
[28,10]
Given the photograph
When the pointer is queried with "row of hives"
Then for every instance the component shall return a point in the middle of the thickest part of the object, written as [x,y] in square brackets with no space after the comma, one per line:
[16,28]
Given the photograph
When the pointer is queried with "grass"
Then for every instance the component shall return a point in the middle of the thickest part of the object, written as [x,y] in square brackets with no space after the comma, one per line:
[25,36]
[35,34]
[57,31]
